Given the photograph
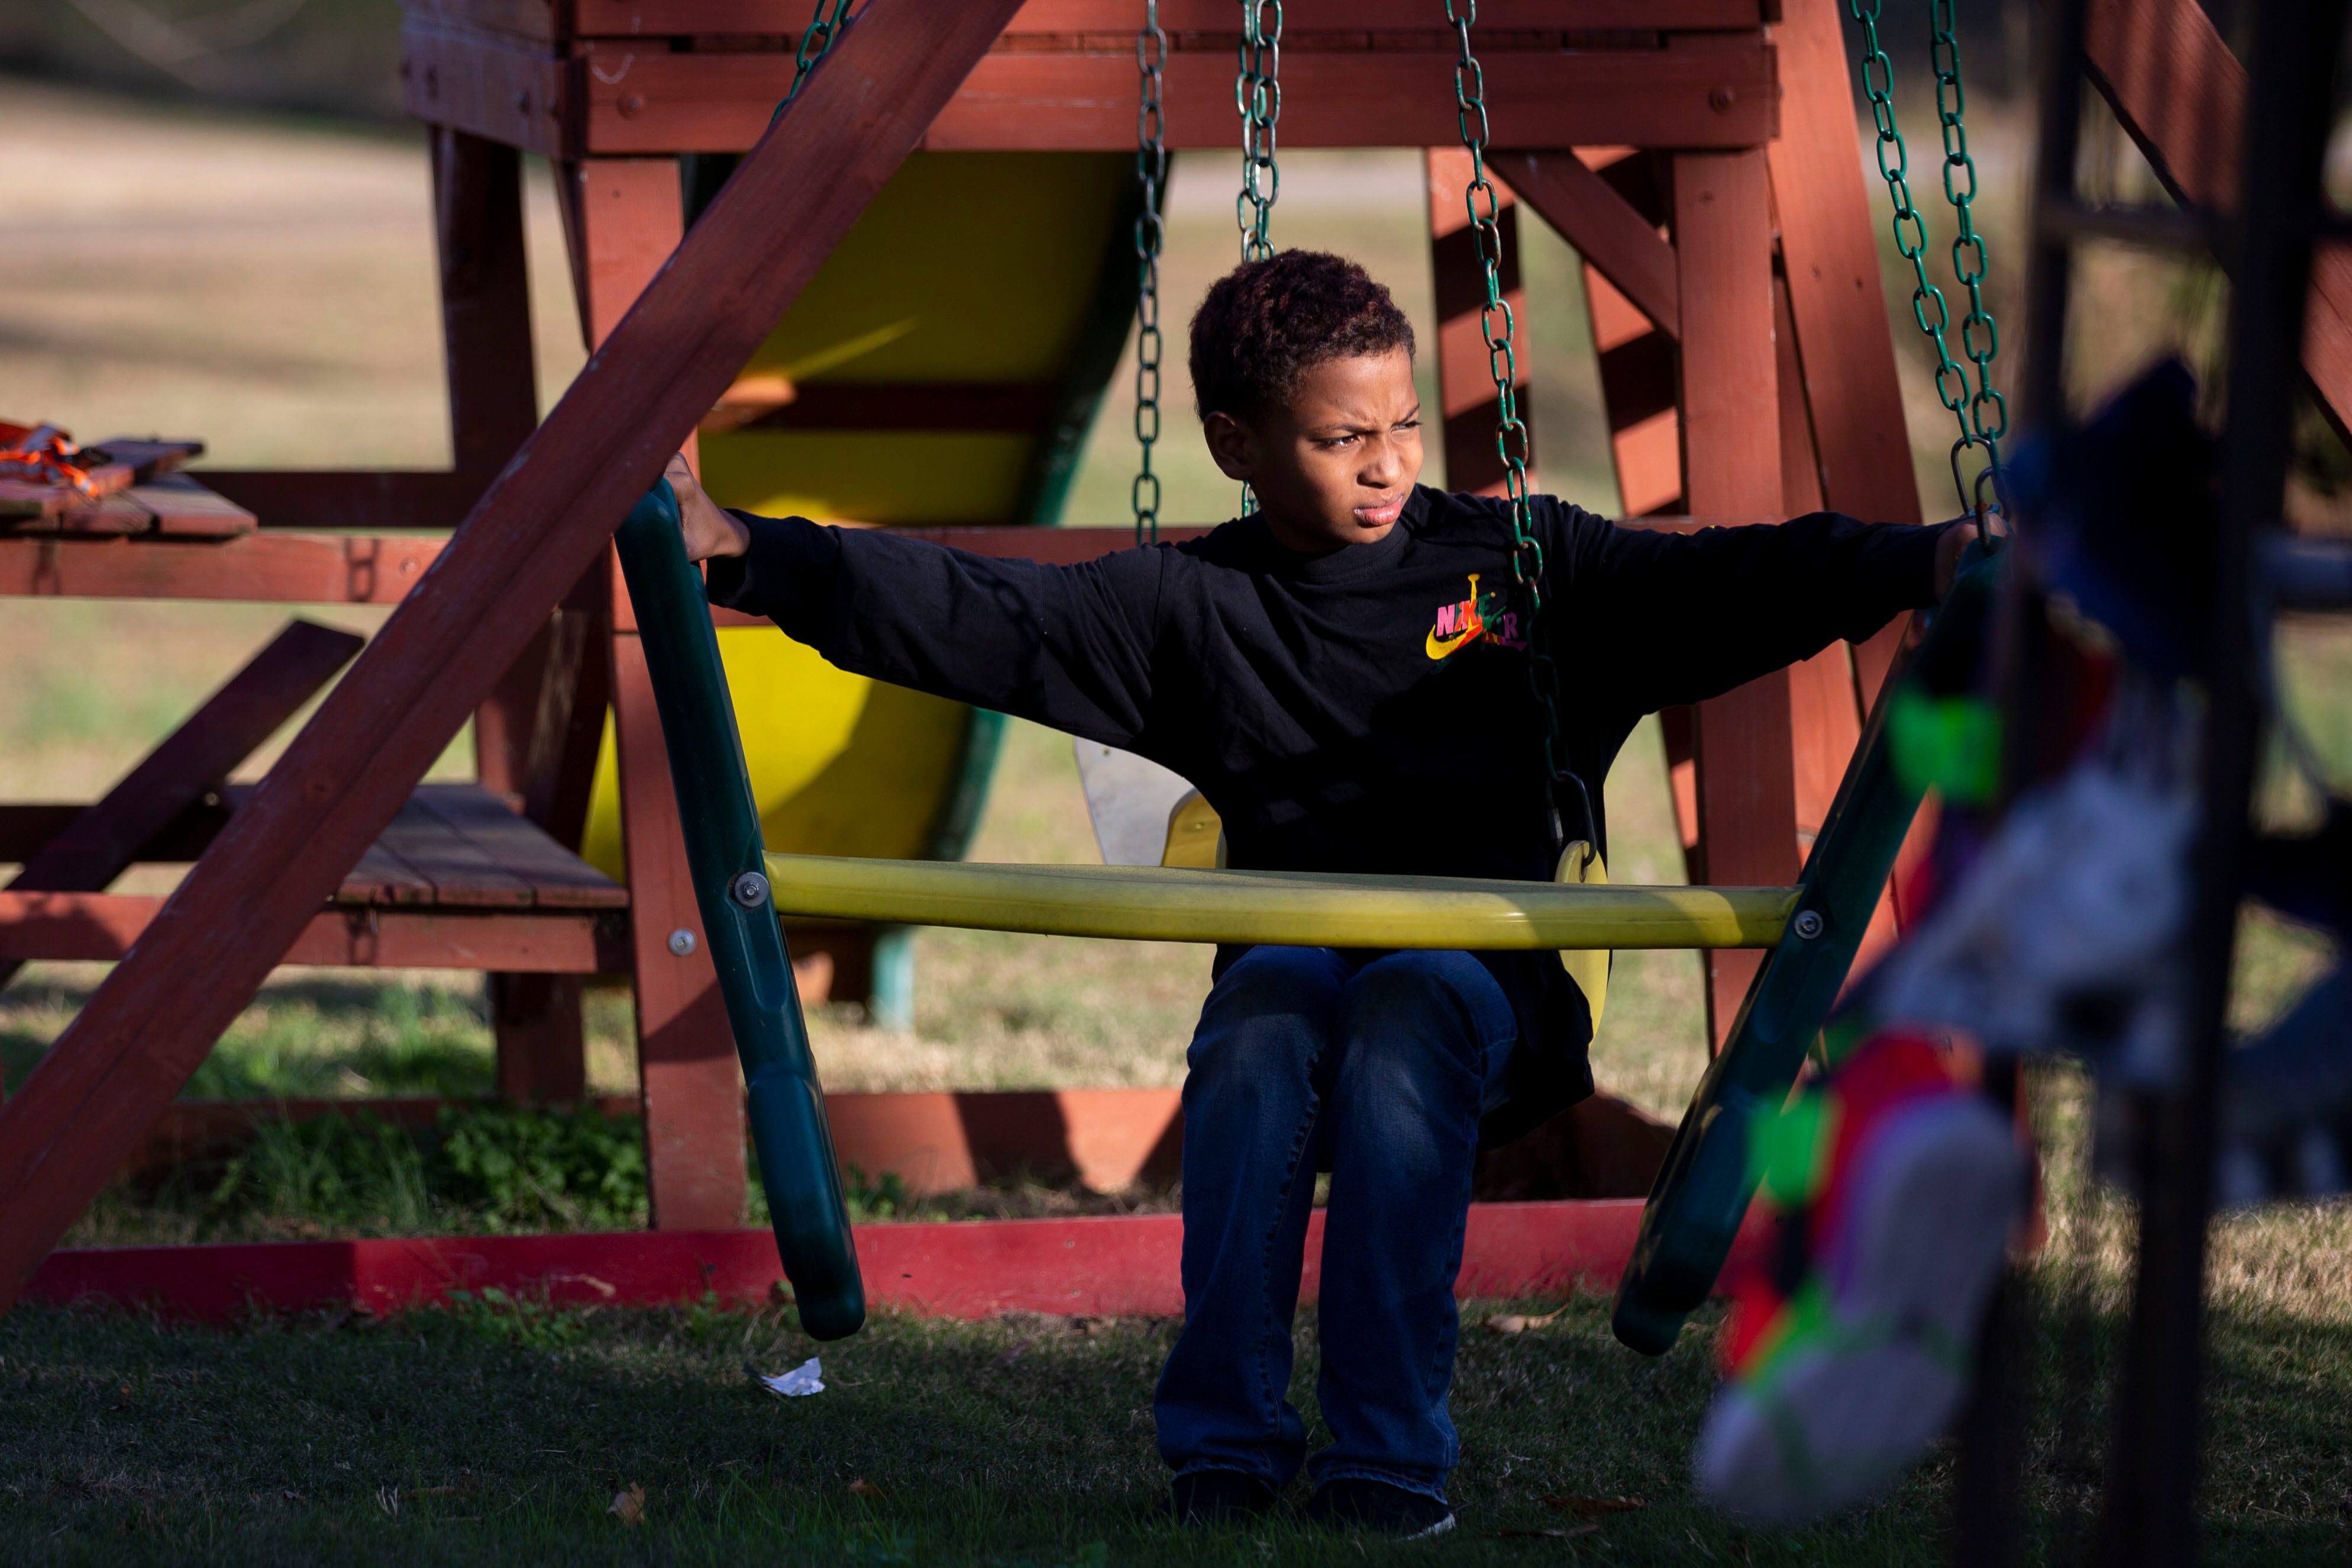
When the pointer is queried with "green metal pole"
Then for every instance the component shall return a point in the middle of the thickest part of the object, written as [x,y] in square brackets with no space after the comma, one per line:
[1703,1188]
[725,857]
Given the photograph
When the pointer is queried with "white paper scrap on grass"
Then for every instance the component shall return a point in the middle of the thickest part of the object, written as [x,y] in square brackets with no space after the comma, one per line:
[808,1377]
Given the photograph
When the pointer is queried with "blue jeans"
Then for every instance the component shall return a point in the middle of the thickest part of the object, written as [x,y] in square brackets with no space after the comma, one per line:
[1386,1065]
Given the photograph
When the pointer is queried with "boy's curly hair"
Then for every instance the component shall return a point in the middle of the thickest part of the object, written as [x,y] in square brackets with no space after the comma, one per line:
[1265,322]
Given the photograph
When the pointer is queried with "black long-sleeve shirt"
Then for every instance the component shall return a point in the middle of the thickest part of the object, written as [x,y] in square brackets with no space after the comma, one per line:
[1368,710]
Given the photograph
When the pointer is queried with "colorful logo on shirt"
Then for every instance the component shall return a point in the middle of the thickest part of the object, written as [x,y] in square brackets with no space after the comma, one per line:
[1467,620]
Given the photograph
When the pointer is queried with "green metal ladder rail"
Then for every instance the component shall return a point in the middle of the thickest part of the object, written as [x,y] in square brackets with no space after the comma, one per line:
[727,859]
[1704,1187]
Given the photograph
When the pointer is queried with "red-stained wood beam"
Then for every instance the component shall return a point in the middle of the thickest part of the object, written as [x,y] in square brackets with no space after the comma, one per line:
[27,825]
[263,567]
[103,842]
[539,526]
[1123,1265]
[349,498]
[1116,18]
[485,299]
[642,101]
[104,926]
[1848,395]
[1613,239]
[1837,307]
[629,217]
[1114,21]
[1639,364]
[535,1019]
[2180,94]
[1731,423]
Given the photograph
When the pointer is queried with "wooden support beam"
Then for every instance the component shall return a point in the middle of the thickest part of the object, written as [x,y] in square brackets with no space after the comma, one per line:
[1641,372]
[1467,405]
[27,825]
[1732,420]
[1613,239]
[631,216]
[342,498]
[1107,1266]
[104,841]
[493,408]
[485,300]
[100,844]
[541,525]
[1837,305]
[1115,20]
[535,747]
[505,89]
[1824,722]
[2180,94]
[263,569]
[685,1051]
[642,101]
[1847,395]
[103,928]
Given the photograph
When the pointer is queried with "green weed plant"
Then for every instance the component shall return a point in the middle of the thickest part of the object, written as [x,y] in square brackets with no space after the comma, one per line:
[479,1168]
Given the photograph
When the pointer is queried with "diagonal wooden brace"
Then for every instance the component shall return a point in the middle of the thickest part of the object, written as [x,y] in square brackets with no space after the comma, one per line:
[533,533]
[100,845]
[1618,241]
[2180,94]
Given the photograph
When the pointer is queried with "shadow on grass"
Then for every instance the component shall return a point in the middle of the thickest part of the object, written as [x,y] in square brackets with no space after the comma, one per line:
[498,1430]
[487,1433]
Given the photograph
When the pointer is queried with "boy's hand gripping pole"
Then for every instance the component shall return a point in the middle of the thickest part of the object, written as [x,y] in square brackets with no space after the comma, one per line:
[726,858]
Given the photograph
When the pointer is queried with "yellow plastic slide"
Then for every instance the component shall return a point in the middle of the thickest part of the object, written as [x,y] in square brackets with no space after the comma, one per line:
[943,368]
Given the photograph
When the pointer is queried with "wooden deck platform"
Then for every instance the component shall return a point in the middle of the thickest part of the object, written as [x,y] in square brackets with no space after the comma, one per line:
[458,846]
[458,881]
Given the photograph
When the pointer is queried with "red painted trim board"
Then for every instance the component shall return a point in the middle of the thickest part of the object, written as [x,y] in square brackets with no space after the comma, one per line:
[1117,1266]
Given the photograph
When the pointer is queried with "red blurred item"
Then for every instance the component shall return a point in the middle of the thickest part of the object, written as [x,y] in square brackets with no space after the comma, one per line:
[43,454]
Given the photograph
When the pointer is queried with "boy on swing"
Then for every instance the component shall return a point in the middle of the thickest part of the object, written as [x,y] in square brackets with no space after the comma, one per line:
[1343,673]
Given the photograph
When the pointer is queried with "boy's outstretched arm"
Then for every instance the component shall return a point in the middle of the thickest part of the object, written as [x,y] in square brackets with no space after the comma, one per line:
[1678,617]
[1068,646]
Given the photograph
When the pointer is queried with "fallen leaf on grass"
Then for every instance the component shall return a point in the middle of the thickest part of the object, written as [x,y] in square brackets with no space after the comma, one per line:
[861,1487]
[1590,1507]
[629,1507]
[1541,1534]
[1520,1322]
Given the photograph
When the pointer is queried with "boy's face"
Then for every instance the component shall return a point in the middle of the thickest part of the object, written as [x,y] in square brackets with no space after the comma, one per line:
[1333,465]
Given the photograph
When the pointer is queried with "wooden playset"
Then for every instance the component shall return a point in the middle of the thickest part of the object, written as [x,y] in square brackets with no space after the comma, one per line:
[1700,155]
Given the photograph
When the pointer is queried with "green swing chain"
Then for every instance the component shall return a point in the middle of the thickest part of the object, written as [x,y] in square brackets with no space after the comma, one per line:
[1258,93]
[1151,173]
[1496,323]
[1980,412]
[830,16]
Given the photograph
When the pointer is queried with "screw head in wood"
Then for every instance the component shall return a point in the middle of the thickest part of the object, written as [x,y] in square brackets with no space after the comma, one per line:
[1721,99]
[633,105]
[681,943]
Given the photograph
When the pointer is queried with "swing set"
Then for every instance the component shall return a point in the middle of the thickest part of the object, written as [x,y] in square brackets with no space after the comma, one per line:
[1697,154]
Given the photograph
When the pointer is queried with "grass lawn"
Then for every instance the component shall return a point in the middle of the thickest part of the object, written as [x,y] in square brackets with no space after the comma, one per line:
[494,1433]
